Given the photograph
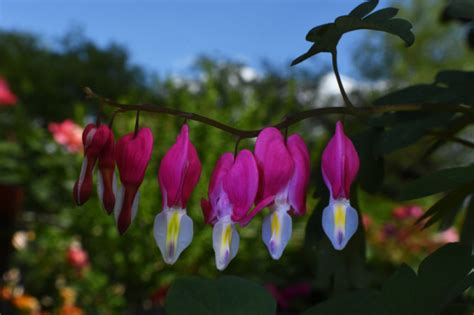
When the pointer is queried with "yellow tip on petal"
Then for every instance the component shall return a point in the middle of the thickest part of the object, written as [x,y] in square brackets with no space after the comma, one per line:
[172,232]
[226,237]
[275,225]
[339,217]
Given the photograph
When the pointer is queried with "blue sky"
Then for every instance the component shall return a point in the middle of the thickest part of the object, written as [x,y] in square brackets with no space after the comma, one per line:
[165,36]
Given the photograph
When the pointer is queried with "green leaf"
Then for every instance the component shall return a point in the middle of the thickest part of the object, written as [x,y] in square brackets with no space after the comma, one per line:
[467,230]
[442,277]
[399,292]
[450,87]
[362,302]
[364,8]
[228,295]
[419,93]
[326,37]
[371,172]
[408,131]
[463,9]
[440,181]
[449,205]
[459,84]
[441,273]
[381,15]
[458,289]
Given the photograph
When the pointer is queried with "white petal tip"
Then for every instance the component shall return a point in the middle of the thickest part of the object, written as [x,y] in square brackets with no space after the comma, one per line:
[276,232]
[225,241]
[173,232]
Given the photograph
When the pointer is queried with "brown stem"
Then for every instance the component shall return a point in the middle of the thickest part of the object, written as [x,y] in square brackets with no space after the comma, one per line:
[289,120]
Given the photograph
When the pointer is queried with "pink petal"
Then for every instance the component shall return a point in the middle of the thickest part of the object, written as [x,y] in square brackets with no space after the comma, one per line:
[126,211]
[83,186]
[241,184]
[179,171]
[106,169]
[340,163]
[106,188]
[191,177]
[210,215]
[93,138]
[299,182]
[274,162]
[258,207]
[132,156]
[216,191]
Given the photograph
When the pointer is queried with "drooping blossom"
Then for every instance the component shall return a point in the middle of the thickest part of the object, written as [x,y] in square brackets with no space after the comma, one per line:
[107,181]
[178,174]
[340,164]
[232,191]
[94,139]
[7,98]
[284,176]
[132,154]
[67,134]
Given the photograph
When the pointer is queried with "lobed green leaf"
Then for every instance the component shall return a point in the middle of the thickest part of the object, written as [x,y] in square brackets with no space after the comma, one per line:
[227,295]
[326,37]
[440,181]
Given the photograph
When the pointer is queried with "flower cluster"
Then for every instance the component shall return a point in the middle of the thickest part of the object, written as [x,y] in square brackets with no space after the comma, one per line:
[274,176]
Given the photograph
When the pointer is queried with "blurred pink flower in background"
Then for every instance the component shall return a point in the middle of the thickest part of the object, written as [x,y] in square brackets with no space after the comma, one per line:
[407,212]
[67,134]
[7,98]
[77,256]
[366,220]
[285,295]
[451,235]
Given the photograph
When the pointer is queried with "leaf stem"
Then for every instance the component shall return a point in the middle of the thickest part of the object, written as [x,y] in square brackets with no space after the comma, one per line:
[347,101]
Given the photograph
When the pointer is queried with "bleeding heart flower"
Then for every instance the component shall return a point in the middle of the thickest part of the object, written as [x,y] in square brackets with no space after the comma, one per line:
[94,139]
[107,181]
[232,191]
[179,173]
[340,164]
[284,177]
[132,154]
[7,98]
